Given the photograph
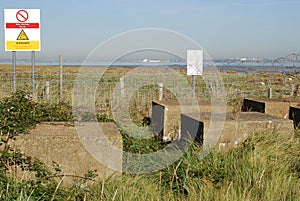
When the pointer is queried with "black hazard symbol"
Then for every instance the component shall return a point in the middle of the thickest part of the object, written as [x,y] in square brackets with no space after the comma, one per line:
[22,36]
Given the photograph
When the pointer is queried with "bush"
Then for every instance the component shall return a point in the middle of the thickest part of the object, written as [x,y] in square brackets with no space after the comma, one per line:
[18,113]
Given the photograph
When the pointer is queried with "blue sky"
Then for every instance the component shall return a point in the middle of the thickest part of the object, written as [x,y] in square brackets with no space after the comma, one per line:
[225,29]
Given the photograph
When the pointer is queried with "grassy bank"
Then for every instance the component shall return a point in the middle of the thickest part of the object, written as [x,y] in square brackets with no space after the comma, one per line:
[265,167]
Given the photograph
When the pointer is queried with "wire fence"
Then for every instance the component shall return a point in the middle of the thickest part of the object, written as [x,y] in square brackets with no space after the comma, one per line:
[236,84]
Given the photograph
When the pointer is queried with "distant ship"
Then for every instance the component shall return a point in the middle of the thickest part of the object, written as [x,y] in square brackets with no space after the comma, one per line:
[151,60]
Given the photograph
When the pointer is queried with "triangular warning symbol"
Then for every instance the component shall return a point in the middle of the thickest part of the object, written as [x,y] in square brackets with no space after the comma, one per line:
[22,36]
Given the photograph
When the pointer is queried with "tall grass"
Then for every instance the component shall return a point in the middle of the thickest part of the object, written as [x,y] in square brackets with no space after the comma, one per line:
[265,167]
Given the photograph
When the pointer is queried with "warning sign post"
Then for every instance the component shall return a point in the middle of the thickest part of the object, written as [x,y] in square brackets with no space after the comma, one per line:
[22,33]
[22,29]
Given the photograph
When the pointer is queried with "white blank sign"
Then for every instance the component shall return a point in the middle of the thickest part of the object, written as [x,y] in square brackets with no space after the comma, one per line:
[194,62]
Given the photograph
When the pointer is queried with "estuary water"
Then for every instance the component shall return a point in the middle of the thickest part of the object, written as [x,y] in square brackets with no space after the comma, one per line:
[222,65]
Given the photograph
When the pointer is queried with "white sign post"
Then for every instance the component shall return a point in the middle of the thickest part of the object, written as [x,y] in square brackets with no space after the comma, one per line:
[22,33]
[194,65]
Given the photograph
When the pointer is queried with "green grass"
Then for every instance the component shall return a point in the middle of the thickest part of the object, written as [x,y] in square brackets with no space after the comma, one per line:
[266,167]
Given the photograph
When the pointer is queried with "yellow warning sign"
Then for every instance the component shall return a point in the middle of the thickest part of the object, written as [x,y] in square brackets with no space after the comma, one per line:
[22,45]
[22,36]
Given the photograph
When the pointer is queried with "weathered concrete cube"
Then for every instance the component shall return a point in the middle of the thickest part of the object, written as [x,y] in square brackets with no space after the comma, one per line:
[237,127]
[60,143]
[294,114]
[166,116]
[276,107]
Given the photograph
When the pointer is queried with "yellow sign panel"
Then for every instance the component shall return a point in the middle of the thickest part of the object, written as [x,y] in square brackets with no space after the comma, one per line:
[22,45]
[22,36]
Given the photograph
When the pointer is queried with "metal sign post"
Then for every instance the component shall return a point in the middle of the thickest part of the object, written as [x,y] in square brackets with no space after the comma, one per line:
[193,85]
[14,58]
[60,76]
[33,72]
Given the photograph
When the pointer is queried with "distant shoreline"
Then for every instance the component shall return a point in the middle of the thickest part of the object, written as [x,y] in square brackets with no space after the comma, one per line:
[288,68]
[218,63]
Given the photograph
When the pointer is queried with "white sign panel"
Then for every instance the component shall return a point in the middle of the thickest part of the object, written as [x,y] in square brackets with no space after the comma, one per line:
[22,29]
[194,62]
